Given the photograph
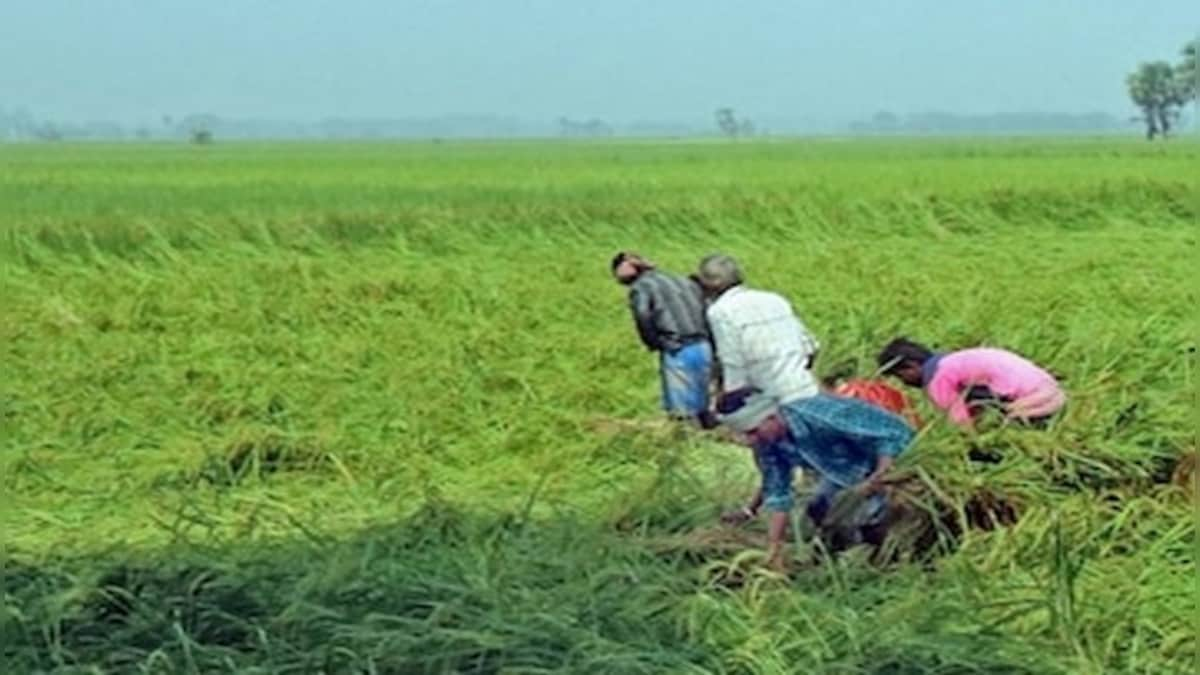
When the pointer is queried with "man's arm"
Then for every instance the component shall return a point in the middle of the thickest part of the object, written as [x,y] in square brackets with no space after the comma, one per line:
[715,372]
[776,493]
[949,387]
[889,437]
[810,342]
[960,413]
[729,352]
[946,391]
[642,307]
[747,512]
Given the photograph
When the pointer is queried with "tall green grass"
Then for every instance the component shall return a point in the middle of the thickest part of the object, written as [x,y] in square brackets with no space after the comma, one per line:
[293,408]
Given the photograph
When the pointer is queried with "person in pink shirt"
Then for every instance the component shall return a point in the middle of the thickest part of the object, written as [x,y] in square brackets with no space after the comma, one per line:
[967,382]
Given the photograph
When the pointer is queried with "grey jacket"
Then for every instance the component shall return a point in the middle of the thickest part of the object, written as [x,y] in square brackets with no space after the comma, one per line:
[668,311]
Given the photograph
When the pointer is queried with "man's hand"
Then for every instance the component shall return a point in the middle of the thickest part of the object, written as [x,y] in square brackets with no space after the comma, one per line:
[746,513]
[870,486]
[738,517]
[874,482]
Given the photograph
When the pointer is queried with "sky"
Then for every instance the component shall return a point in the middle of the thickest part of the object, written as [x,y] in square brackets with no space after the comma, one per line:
[619,60]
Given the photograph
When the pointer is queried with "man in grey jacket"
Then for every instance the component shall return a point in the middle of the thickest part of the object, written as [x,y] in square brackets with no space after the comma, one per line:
[668,311]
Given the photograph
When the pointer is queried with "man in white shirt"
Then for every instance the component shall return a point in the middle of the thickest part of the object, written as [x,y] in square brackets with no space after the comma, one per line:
[760,341]
[766,354]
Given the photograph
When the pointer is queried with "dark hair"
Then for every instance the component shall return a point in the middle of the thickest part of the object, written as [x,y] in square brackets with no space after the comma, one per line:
[638,262]
[901,351]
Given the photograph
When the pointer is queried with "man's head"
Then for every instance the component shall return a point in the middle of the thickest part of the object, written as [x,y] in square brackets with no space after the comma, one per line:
[718,273]
[628,266]
[753,416]
[904,359]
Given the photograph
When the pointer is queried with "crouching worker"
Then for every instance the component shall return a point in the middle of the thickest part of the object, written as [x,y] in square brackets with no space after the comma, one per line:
[966,383]
[848,443]
[873,391]
[668,312]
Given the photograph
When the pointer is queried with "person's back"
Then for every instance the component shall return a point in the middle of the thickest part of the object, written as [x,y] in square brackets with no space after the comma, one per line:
[965,382]
[762,343]
[880,394]
[674,304]
[1021,386]
[1005,373]
[668,312]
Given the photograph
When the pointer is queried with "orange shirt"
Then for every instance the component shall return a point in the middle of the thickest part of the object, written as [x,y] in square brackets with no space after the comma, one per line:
[881,394]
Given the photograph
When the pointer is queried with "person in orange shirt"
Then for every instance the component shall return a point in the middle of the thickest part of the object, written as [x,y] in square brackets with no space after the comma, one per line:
[874,391]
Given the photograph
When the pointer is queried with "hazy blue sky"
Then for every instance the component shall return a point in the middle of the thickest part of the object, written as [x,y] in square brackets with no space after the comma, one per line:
[619,59]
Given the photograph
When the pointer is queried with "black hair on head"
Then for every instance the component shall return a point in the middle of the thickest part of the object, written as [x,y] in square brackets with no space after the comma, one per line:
[900,351]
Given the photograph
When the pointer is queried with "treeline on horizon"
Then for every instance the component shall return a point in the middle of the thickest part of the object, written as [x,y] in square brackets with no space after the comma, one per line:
[20,125]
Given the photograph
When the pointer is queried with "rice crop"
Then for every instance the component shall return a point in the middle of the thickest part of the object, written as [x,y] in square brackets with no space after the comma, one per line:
[379,408]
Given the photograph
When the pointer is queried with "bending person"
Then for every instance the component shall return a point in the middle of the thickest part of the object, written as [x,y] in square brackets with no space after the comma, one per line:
[965,383]
[760,341]
[848,443]
[668,312]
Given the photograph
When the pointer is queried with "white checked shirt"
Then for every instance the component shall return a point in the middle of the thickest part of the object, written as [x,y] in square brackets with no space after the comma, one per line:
[762,343]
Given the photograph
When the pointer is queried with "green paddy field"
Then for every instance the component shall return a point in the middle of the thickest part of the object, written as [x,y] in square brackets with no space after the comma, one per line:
[379,408]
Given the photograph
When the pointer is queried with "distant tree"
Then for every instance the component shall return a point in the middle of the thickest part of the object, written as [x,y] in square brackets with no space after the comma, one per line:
[1156,91]
[101,129]
[200,127]
[48,132]
[727,122]
[1187,73]
[22,123]
[591,128]
[598,127]
[885,121]
[731,126]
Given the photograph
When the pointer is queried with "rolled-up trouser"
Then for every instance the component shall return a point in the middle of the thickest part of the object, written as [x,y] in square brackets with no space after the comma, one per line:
[685,378]
[1037,407]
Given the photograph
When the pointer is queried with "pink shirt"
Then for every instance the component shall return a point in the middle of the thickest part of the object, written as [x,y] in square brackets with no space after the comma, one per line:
[1031,391]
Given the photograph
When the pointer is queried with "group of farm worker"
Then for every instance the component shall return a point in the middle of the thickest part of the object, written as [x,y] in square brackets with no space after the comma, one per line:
[710,327]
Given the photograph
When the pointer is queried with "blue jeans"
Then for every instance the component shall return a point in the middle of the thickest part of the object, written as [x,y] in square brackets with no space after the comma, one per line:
[685,377]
